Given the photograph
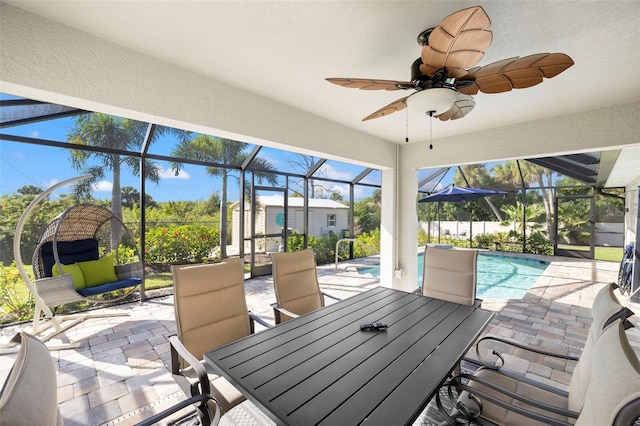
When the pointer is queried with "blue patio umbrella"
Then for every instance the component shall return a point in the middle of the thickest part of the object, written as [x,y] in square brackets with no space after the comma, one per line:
[458,194]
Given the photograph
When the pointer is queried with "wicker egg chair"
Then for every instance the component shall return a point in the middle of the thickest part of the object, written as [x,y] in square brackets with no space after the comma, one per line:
[83,241]
[84,233]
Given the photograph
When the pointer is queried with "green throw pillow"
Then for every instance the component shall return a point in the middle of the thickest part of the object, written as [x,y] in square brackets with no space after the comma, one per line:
[76,274]
[99,271]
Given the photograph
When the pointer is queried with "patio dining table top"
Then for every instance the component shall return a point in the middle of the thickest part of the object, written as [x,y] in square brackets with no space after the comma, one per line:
[322,369]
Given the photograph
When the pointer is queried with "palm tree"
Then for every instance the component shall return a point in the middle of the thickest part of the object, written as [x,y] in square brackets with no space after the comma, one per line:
[517,213]
[221,151]
[114,133]
[534,176]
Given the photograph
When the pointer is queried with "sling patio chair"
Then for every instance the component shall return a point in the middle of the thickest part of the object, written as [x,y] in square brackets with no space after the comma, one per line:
[30,393]
[295,281]
[450,274]
[611,395]
[211,311]
[208,412]
[606,310]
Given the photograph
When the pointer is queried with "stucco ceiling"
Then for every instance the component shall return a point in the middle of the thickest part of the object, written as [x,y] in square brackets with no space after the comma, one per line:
[285,49]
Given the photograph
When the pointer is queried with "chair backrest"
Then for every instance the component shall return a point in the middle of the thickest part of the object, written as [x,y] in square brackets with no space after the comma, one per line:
[69,252]
[450,274]
[29,395]
[605,307]
[614,388]
[295,280]
[210,304]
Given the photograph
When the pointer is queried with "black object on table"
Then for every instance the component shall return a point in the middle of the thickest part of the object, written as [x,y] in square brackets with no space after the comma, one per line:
[321,369]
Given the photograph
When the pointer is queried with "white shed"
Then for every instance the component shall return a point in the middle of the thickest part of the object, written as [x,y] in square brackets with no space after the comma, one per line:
[324,216]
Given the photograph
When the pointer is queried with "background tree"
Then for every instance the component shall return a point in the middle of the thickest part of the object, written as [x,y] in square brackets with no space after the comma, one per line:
[305,163]
[116,134]
[226,152]
[367,213]
[13,206]
[534,176]
[131,196]
[516,214]
[29,190]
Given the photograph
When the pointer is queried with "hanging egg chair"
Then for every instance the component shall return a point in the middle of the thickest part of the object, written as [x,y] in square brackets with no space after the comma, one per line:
[78,257]
[85,254]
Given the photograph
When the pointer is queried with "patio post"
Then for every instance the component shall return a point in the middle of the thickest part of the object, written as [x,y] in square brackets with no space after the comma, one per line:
[635,277]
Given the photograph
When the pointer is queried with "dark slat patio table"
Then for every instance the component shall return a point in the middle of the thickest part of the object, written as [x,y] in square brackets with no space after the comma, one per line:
[321,369]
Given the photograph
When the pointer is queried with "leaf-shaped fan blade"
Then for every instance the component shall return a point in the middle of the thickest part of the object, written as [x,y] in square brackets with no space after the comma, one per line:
[461,107]
[457,43]
[394,106]
[369,84]
[516,73]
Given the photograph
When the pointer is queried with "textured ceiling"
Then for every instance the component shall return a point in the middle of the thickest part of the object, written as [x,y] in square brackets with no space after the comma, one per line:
[284,50]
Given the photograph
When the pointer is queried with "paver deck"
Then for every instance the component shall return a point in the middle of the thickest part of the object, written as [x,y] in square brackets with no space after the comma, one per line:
[120,373]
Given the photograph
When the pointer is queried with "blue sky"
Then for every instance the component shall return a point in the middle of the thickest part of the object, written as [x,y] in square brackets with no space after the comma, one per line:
[27,164]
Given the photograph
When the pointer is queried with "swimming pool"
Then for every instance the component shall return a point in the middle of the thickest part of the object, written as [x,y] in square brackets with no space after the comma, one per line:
[499,277]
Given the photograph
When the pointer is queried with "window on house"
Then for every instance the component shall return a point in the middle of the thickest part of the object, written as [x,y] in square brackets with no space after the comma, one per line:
[331,220]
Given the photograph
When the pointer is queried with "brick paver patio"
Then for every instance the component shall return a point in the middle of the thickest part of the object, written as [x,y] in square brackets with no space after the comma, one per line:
[120,372]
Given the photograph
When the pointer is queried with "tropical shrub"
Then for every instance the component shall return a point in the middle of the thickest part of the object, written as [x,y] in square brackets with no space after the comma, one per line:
[325,248]
[485,241]
[423,237]
[537,243]
[180,244]
[14,300]
[371,239]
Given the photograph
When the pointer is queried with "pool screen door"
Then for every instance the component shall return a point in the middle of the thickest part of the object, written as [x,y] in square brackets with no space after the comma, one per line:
[575,226]
[268,221]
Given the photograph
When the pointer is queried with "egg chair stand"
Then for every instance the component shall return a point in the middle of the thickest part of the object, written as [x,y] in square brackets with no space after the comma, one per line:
[80,242]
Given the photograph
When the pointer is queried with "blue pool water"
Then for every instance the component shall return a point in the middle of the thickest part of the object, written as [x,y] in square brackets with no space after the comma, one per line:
[499,277]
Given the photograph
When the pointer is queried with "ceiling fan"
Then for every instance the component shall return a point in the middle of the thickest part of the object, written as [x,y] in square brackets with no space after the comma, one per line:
[445,75]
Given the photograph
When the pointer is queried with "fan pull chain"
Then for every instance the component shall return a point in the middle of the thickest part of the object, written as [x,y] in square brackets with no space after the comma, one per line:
[406,127]
[431,129]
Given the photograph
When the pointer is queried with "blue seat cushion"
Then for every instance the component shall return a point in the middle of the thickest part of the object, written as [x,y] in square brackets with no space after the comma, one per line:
[108,287]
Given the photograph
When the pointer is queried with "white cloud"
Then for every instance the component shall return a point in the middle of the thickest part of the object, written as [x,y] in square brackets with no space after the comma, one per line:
[170,174]
[50,183]
[103,186]
[341,189]
[330,172]
[35,134]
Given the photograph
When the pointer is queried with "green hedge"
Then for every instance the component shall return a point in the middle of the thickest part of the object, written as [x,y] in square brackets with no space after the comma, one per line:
[181,244]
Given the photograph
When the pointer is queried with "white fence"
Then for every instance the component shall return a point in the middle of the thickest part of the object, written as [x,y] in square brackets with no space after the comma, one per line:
[607,234]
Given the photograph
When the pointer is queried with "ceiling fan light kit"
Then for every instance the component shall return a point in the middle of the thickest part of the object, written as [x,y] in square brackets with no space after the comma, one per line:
[446,76]
[432,101]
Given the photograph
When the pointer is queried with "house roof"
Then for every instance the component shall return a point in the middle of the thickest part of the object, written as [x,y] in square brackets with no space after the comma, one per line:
[278,201]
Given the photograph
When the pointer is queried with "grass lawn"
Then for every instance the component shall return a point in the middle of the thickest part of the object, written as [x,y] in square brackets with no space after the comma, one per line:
[613,254]
[21,294]
[155,281]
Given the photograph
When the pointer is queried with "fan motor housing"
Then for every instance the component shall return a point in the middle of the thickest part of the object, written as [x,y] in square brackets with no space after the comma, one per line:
[423,37]
[422,82]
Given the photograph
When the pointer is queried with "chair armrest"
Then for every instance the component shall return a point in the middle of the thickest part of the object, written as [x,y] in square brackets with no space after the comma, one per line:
[456,382]
[178,350]
[417,291]
[329,296]
[498,354]
[277,310]
[203,401]
[253,318]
